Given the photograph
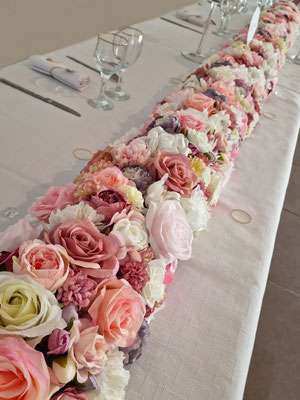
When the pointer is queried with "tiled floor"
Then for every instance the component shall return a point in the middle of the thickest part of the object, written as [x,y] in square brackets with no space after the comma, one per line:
[275,365]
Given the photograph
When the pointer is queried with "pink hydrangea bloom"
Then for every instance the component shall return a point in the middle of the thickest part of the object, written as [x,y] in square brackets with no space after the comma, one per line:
[134,153]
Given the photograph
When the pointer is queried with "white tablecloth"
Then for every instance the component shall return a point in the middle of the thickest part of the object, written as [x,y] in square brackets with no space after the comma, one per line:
[201,343]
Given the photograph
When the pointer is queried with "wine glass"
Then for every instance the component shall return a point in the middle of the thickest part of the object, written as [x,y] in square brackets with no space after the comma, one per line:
[225,7]
[109,56]
[134,49]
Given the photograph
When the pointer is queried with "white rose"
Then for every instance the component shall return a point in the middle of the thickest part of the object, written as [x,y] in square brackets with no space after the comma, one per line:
[113,378]
[132,232]
[154,289]
[157,139]
[158,192]
[219,122]
[196,210]
[77,211]
[200,140]
[215,187]
[27,308]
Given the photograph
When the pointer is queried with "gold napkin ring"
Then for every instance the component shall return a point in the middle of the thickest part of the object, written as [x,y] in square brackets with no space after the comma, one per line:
[82,158]
[243,212]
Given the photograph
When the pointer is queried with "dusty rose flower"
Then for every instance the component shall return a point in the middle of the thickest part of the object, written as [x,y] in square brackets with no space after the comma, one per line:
[107,202]
[181,177]
[47,264]
[200,102]
[87,349]
[135,273]
[58,342]
[88,249]
[118,311]
[76,290]
[134,153]
[70,393]
[56,197]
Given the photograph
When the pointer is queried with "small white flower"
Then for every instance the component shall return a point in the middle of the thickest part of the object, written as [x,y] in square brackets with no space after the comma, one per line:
[219,122]
[215,187]
[154,289]
[133,233]
[158,192]
[200,140]
[157,139]
[196,210]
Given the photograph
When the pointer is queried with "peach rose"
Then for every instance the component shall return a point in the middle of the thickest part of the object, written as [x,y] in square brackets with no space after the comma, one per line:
[170,234]
[181,177]
[111,177]
[88,249]
[87,349]
[56,197]
[200,102]
[23,371]
[118,311]
[189,121]
[226,89]
[47,264]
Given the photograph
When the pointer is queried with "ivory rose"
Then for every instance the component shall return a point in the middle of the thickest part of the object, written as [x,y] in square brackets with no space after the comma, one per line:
[87,349]
[170,234]
[27,308]
[46,264]
[56,197]
[181,177]
[23,371]
[118,311]
[88,249]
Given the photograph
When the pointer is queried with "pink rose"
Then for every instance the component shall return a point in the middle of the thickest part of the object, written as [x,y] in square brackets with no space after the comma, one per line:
[170,234]
[23,371]
[108,202]
[55,198]
[189,121]
[118,311]
[87,349]
[70,394]
[88,249]
[111,178]
[200,102]
[181,177]
[47,264]
[227,89]
[18,233]
[58,342]
[221,142]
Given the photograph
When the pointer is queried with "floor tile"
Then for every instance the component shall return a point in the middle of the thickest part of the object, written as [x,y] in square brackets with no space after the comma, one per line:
[285,266]
[292,198]
[275,364]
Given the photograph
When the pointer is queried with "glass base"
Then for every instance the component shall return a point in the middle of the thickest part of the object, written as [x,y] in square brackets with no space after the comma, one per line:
[197,58]
[102,104]
[219,33]
[119,95]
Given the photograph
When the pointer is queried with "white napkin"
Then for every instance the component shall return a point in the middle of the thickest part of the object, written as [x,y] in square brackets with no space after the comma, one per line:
[192,18]
[68,76]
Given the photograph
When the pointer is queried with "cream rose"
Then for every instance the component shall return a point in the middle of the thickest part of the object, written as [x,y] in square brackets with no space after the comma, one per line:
[133,233]
[196,210]
[27,308]
[154,289]
[200,140]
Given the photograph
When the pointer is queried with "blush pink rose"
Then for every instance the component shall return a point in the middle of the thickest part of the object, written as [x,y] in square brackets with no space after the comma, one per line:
[55,198]
[87,349]
[70,393]
[118,311]
[47,264]
[189,121]
[226,89]
[181,177]
[111,177]
[88,249]
[23,371]
[221,142]
[200,102]
[108,202]
[170,234]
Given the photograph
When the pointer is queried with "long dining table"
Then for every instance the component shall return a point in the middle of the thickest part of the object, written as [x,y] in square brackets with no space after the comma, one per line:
[201,342]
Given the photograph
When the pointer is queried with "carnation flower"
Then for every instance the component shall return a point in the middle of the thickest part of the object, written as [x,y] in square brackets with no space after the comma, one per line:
[134,153]
[135,273]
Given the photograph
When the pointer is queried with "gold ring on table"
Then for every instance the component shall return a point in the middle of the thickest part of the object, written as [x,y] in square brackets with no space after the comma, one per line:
[269,115]
[66,69]
[82,158]
[241,211]
[287,75]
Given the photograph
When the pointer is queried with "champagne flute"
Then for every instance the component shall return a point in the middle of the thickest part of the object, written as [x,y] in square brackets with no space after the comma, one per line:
[225,6]
[109,56]
[134,49]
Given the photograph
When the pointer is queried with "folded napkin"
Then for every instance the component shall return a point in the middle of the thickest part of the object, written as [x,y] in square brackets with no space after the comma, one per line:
[68,76]
[192,18]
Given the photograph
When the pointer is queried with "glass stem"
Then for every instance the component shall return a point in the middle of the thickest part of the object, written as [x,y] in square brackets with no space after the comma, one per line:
[118,88]
[223,23]
[102,89]
[212,9]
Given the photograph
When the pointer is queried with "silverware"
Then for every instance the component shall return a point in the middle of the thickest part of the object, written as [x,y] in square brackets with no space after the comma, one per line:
[114,77]
[177,23]
[38,96]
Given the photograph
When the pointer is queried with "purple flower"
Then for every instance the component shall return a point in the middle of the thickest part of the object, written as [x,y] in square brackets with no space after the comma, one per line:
[140,176]
[58,342]
[69,312]
[134,352]
[169,123]
[220,64]
[89,385]
[213,94]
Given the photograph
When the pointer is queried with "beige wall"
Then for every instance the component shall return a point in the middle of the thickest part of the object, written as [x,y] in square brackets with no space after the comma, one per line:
[37,26]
